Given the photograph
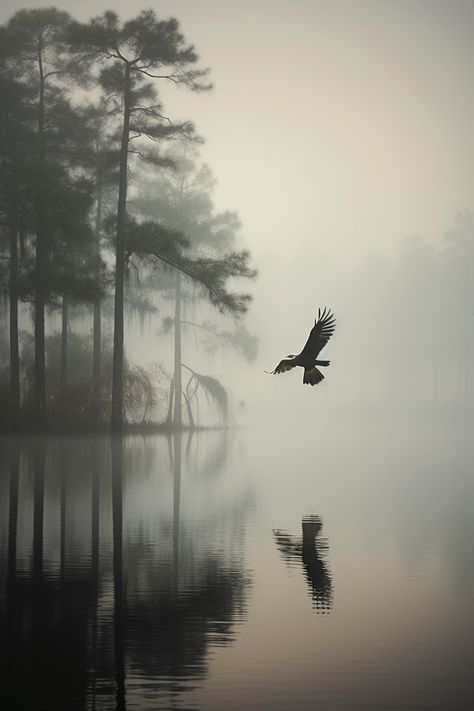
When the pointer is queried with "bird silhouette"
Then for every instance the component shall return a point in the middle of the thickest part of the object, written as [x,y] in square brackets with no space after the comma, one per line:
[309,551]
[319,335]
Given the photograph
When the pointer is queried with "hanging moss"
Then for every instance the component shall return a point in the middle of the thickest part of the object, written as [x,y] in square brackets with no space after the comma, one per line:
[213,390]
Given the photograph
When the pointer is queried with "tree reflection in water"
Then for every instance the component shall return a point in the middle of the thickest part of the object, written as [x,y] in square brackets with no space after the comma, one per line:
[308,551]
[93,616]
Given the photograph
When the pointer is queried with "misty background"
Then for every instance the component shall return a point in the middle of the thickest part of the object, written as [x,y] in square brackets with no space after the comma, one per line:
[325,552]
[341,133]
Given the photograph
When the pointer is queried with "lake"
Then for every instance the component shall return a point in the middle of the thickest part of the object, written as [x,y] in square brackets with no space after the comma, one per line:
[286,565]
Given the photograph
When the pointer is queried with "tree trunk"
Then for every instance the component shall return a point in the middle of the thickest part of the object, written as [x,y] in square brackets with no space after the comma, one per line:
[13,205]
[41,259]
[117,365]
[64,329]
[97,324]
[13,296]
[22,238]
[97,359]
[190,411]
[40,362]
[169,416]
[177,354]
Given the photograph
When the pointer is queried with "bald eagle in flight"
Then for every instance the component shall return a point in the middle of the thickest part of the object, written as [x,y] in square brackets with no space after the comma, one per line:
[319,335]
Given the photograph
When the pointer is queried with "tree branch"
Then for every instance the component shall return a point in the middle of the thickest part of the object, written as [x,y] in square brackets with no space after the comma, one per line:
[204,328]
[171,77]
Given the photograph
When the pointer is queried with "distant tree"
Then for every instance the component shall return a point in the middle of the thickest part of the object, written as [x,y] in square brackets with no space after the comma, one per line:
[16,122]
[182,199]
[142,48]
[457,261]
[74,263]
[100,156]
[215,273]
[35,52]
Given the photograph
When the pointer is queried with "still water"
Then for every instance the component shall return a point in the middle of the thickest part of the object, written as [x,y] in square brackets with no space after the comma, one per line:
[325,565]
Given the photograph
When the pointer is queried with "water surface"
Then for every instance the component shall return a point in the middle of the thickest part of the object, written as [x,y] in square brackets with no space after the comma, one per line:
[297,565]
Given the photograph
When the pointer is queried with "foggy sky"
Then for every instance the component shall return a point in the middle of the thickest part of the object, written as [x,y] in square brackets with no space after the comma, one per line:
[335,128]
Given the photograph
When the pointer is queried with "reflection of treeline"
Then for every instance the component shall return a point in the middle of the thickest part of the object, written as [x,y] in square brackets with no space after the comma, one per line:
[90,608]
[410,334]
[74,235]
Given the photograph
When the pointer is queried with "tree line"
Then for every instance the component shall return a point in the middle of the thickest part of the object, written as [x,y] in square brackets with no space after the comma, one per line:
[81,125]
[411,318]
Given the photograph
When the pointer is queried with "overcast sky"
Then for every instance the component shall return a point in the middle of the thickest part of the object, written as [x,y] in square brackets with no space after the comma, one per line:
[336,128]
[333,121]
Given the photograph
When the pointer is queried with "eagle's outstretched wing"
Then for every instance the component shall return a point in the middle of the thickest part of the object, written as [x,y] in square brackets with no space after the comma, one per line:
[283,366]
[320,334]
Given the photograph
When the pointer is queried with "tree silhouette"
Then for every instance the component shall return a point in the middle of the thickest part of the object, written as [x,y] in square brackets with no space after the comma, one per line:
[182,199]
[142,48]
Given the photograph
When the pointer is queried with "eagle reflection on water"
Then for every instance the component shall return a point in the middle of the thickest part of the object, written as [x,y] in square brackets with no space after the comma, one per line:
[307,550]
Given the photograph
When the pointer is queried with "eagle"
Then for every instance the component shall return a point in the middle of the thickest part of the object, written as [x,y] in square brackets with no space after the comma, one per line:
[319,335]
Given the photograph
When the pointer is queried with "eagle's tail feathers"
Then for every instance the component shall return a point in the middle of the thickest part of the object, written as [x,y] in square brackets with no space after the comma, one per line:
[312,376]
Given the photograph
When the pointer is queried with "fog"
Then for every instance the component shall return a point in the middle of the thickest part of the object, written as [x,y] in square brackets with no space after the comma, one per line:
[341,134]
[180,526]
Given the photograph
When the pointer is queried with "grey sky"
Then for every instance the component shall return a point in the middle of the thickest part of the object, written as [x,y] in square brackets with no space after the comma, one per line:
[346,123]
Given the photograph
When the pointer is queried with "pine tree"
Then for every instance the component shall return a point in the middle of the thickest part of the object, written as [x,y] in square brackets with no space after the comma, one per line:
[143,48]
[36,54]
